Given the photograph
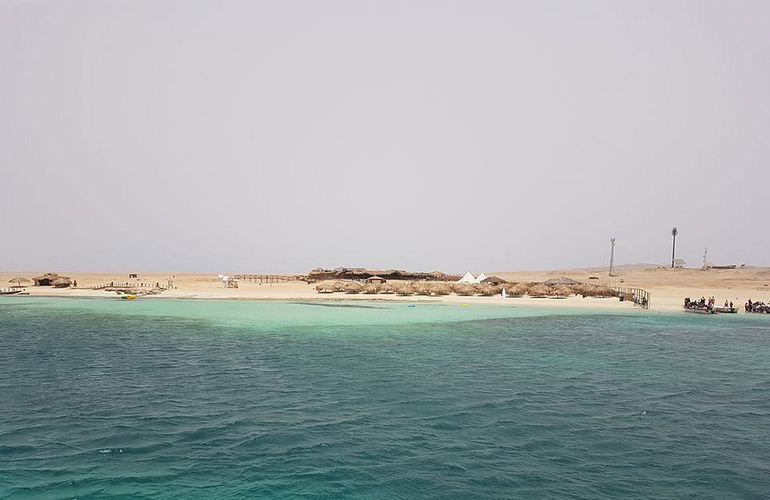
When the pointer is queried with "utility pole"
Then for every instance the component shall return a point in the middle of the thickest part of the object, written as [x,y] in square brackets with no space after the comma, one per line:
[705,256]
[612,256]
[674,232]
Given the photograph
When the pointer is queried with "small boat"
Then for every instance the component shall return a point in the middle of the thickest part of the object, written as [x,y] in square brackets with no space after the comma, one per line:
[699,310]
[726,310]
[128,296]
[9,292]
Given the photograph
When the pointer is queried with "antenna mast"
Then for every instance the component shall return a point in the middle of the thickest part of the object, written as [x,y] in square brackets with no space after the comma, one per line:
[612,256]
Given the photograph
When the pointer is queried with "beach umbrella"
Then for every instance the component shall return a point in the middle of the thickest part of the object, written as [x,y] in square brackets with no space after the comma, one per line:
[353,287]
[62,282]
[441,289]
[18,281]
[539,290]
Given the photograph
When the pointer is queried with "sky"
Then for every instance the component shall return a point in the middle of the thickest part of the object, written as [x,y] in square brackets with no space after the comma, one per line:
[280,136]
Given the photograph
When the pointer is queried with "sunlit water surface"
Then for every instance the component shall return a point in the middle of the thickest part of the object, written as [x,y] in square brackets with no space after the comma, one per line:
[233,399]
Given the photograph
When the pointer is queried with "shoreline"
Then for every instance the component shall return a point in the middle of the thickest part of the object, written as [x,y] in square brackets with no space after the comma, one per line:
[667,287]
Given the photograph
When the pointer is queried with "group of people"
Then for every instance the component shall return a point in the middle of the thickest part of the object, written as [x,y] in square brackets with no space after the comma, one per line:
[757,307]
[703,303]
[708,304]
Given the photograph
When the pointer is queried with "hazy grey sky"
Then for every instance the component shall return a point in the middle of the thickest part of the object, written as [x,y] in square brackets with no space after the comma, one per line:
[283,135]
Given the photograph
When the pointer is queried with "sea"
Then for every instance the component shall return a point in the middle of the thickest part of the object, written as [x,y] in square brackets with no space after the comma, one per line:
[163,398]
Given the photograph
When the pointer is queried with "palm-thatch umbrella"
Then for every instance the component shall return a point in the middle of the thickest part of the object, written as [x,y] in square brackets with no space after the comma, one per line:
[539,290]
[18,282]
[487,290]
[463,289]
[325,287]
[371,288]
[353,287]
[441,288]
[561,291]
[387,288]
[403,288]
[516,290]
[605,291]
[62,282]
[423,288]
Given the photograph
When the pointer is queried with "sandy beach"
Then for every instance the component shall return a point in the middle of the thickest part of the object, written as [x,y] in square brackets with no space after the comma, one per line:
[667,286]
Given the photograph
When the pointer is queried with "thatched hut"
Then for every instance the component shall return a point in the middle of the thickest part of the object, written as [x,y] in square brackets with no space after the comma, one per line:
[62,282]
[387,288]
[376,279]
[47,279]
[561,291]
[539,290]
[371,288]
[423,288]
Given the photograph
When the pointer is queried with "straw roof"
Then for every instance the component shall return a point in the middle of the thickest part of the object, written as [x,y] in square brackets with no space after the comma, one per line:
[19,280]
[328,287]
[539,290]
[560,281]
[353,287]
[62,282]
[387,288]
[403,288]
[441,289]
[517,289]
[463,289]
[487,290]
[423,288]
[371,288]
[562,291]
[493,280]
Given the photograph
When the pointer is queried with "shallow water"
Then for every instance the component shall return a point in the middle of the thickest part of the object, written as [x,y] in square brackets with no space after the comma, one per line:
[232,399]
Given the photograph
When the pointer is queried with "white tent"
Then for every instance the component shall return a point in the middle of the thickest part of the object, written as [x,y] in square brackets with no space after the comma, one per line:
[481,277]
[468,278]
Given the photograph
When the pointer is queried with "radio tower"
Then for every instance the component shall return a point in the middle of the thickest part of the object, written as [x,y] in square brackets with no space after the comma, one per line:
[612,256]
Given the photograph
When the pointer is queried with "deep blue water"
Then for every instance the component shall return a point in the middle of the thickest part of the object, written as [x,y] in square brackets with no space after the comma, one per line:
[314,402]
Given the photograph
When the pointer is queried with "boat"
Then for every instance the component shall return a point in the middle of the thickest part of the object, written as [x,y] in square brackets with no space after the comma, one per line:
[699,310]
[128,296]
[726,310]
[9,292]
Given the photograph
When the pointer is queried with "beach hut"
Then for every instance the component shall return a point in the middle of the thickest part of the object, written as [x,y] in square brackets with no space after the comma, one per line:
[47,279]
[375,279]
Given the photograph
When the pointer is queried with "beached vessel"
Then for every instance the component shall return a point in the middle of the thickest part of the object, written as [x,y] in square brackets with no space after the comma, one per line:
[726,310]
[699,310]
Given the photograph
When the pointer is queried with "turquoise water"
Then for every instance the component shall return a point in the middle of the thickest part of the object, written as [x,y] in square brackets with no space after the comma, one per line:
[231,399]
